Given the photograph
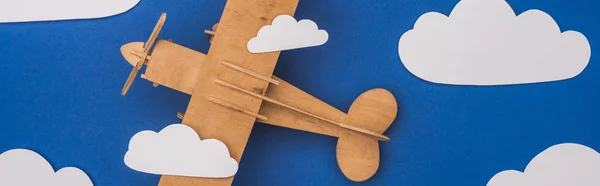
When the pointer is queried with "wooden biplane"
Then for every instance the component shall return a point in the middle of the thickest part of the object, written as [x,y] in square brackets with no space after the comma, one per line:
[232,88]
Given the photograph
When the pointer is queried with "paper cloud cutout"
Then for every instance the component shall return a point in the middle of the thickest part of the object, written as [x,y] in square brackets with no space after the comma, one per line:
[485,43]
[177,150]
[48,10]
[285,34]
[27,168]
[561,165]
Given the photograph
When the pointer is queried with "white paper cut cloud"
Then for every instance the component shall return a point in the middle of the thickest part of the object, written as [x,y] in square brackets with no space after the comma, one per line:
[561,165]
[285,33]
[48,10]
[483,42]
[177,150]
[27,168]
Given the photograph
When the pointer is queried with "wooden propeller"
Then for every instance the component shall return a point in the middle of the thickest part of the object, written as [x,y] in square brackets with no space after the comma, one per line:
[147,46]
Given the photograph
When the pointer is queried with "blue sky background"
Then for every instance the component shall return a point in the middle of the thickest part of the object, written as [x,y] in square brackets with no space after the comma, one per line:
[60,86]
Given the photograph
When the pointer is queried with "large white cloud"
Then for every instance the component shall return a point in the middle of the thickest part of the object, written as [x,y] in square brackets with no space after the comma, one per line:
[46,10]
[285,33]
[177,150]
[22,167]
[561,165]
[483,42]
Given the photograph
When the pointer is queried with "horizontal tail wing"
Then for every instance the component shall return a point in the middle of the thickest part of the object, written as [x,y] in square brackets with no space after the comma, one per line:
[357,154]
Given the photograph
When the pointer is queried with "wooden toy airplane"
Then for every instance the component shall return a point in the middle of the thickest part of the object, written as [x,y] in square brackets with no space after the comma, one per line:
[232,88]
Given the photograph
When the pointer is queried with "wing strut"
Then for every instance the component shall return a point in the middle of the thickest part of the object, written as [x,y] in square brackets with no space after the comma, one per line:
[249,72]
[348,127]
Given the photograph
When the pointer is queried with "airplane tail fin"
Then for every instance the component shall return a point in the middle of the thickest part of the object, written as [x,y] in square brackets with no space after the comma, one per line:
[357,154]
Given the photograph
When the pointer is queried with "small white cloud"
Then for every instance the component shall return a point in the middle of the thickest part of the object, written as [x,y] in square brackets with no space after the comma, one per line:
[177,150]
[560,165]
[285,34]
[483,42]
[27,168]
[48,10]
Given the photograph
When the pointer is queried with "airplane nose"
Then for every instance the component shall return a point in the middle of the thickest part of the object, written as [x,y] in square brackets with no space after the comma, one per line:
[130,50]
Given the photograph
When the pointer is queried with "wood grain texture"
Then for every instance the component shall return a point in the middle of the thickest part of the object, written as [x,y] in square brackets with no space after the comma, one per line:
[358,155]
[256,75]
[283,117]
[175,66]
[305,112]
[240,21]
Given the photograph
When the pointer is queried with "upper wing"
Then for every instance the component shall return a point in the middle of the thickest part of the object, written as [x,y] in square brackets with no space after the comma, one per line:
[240,21]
